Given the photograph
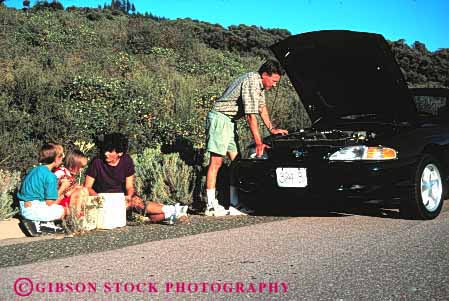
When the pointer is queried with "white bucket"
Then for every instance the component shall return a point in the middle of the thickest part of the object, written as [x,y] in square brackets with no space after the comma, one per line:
[113,213]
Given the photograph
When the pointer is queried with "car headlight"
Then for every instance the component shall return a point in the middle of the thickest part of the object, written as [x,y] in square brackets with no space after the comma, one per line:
[362,152]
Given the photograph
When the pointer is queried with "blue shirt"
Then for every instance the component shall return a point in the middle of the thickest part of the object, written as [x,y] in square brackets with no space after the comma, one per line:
[39,184]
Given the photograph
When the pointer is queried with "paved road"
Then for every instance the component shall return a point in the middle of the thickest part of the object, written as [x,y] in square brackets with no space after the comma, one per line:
[360,254]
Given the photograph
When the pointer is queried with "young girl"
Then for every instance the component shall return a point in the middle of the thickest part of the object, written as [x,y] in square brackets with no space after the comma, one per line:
[68,189]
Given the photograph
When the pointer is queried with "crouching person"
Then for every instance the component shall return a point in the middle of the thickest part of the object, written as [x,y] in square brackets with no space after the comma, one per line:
[39,193]
[113,172]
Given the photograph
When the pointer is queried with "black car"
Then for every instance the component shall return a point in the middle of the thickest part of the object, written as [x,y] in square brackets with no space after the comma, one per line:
[371,137]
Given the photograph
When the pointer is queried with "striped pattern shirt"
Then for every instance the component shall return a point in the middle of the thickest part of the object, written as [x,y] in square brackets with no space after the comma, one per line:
[245,95]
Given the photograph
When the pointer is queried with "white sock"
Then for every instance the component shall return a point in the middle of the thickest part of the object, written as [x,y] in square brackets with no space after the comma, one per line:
[234,194]
[168,210]
[210,197]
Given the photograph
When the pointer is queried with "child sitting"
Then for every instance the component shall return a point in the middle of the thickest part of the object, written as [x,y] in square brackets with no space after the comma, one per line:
[69,192]
[39,193]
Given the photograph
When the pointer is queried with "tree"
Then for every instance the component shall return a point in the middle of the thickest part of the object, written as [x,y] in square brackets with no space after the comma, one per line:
[116,4]
[43,4]
[56,5]
[26,5]
[120,5]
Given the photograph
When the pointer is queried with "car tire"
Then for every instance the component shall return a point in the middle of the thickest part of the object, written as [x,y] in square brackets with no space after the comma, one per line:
[424,199]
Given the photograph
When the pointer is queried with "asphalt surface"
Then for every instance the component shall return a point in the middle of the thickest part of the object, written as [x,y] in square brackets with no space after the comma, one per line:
[33,249]
[367,254]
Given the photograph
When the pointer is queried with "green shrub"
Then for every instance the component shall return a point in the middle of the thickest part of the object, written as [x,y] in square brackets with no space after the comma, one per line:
[163,178]
[18,149]
[199,60]
[49,29]
[101,105]
[9,182]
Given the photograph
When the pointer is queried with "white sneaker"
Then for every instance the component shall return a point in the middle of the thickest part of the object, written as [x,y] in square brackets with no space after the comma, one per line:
[240,210]
[235,211]
[180,210]
[33,227]
[217,210]
[172,218]
[50,227]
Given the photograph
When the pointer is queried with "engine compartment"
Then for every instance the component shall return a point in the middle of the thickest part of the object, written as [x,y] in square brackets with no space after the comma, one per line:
[314,137]
[308,143]
[320,142]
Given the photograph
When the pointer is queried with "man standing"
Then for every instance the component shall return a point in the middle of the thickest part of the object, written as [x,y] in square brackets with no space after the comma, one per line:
[245,96]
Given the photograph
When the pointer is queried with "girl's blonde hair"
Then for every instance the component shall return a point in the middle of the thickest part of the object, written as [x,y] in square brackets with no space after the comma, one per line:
[75,160]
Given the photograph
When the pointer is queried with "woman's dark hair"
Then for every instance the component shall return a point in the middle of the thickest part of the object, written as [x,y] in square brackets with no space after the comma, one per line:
[114,141]
[271,66]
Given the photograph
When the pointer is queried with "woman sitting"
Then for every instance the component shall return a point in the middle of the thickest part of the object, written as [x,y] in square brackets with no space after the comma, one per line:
[113,172]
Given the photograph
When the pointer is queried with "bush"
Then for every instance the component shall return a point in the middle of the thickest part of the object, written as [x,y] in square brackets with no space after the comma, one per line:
[18,149]
[101,105]
[9,182]
[163,178]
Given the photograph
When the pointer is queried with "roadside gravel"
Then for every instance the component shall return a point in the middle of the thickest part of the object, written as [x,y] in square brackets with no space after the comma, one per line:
[31,250]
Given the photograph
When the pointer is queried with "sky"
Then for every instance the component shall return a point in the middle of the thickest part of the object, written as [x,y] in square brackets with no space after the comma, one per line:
[426,21]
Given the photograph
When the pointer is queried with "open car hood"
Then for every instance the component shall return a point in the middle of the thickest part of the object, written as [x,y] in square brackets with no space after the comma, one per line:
[344,76]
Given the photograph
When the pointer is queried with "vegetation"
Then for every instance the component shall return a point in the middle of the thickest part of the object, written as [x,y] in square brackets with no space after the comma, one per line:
[163,177]
[9,182]
[68,75]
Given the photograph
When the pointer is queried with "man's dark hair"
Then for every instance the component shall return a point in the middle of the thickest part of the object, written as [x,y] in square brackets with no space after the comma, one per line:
[114,141]
[271,66]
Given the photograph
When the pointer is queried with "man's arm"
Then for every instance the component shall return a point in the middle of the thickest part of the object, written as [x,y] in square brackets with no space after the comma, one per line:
[88,183]
[254,128]
[263,112]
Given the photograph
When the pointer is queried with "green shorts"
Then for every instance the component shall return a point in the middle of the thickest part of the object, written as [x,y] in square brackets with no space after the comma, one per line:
[221,136]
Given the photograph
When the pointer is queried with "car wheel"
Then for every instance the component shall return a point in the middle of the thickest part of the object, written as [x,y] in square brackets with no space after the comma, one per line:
[424,199]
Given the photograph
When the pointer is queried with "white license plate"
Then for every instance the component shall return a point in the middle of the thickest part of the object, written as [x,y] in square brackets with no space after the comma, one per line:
[291,177]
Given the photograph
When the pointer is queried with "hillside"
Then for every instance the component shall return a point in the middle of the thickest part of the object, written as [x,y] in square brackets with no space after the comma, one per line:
[69,75]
